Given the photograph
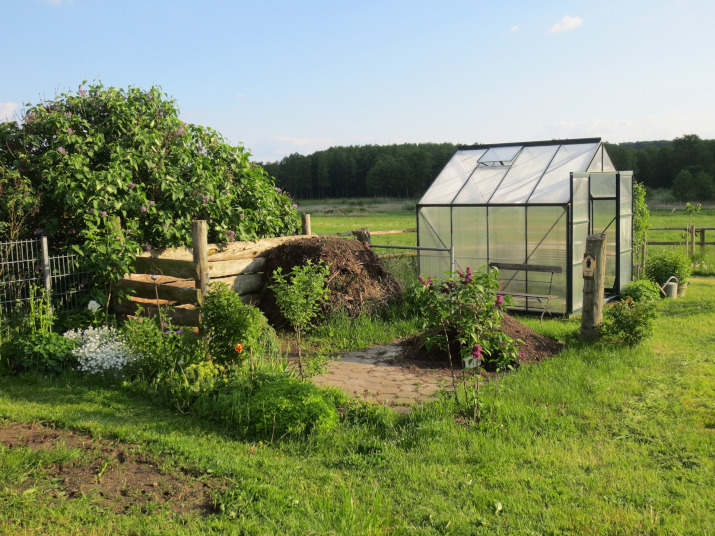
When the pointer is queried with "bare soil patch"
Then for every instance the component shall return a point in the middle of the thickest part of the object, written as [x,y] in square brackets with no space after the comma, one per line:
[534,347]
[115,475]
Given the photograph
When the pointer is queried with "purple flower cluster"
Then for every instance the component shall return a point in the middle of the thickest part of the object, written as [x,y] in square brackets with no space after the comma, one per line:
[477,352]
[181,130]
[500,300]
[82,92]
[132,185]
[37,232]
[231,236]
[147,247]
[103,213]
[62,151]
[143,209]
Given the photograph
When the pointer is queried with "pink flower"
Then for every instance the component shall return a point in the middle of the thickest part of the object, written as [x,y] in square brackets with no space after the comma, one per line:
[500,300]
[62,151]
[295,205]
[82,92]
[143,209]
[132,185]
[151,202]
[477,352]
[147,247]
[103,213]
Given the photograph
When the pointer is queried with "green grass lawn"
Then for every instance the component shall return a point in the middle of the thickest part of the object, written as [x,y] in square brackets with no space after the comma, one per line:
[598,440]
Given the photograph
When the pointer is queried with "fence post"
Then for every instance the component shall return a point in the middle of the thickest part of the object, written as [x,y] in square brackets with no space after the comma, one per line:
[306,224]
[201,258]
[46,272]
[594,276]
[702,241]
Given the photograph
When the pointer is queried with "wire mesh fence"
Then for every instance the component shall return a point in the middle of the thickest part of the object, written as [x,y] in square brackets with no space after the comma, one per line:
[26,269]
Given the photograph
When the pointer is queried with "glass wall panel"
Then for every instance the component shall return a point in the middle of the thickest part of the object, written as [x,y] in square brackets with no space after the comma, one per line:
[554,185]
[603,185]
[546,245]
[470,237]
[480,186]
[603,220]
[580,232]
[597,162]
[524,174]
[507,243]
[626,193]
[434,231]
[580,197]
[607,163]
[626,269]
[452,177]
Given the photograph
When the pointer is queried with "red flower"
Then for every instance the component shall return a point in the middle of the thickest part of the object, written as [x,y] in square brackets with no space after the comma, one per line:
[238,348]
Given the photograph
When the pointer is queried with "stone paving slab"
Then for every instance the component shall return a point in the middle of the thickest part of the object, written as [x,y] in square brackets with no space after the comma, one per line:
[378,374]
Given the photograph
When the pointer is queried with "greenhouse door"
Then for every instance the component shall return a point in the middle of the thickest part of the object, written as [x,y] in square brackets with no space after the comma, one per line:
[603,219]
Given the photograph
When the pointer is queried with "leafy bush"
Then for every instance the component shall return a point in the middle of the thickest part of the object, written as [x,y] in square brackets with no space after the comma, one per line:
[271,406]
[629,322]
[641,290]
[299,296]
[160,349]
[183,387]
[41,352]
[231,325]
[661,266]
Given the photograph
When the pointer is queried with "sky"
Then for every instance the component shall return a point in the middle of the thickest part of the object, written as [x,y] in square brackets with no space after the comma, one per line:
[284,77]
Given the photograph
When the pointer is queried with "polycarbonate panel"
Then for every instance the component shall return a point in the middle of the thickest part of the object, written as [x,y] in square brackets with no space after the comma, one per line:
[626,269]
[579,234]
[500,156]
[597,162]
[524,174]
[580,200]
[507,239]
[603,185]
[480,186]
[434,231]
[546,231]
[554,185]
[452,177]
[626,193]
[470,237]
[626,242]
[604,221]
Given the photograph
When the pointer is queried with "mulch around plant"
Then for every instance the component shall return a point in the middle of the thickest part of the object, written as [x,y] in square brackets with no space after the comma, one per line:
[113,475]
[358,281]
[534,347]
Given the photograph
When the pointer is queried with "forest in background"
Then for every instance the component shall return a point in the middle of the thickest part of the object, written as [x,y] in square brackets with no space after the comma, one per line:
[685,166]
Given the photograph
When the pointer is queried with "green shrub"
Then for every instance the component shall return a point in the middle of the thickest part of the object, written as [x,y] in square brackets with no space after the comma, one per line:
[641,290]
[661,266]
[271,406]
[160,349]
[629,322]
[41,352]
[228,323]
[183,387]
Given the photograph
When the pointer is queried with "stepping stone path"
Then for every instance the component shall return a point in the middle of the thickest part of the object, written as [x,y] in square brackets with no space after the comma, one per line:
[379,374]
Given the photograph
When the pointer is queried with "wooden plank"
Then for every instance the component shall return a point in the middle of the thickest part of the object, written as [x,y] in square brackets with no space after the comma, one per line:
[243,284]
[199,232]
[149,291]
[247,250]
[235,267]
[526,295]
[181,269]
[183,315]
[526,267]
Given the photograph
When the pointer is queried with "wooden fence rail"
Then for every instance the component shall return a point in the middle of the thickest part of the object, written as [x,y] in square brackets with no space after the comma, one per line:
[690,241]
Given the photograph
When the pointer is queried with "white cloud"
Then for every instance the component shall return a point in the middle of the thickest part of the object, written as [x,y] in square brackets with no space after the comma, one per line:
[240,96]
[7,110]
[566,24]
[514,28]
[303,142]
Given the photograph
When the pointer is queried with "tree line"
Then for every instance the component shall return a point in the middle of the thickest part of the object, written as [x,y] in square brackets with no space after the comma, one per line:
[685,165]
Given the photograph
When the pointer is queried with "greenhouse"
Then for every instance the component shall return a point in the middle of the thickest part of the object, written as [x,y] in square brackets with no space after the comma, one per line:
[526,209]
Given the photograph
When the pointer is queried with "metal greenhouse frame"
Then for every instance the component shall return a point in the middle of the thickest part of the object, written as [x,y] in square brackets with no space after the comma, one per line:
[527,208]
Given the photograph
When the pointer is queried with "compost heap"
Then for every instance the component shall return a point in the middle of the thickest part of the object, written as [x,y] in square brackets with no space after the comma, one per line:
[358,281]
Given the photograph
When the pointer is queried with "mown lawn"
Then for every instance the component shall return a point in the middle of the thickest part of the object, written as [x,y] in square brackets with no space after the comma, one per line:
[599,440]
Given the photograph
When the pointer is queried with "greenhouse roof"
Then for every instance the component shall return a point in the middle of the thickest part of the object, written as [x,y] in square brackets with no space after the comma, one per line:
[516,173]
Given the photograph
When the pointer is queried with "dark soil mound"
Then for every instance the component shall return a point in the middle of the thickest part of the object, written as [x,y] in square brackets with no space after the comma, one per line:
[358,281]
[535,347]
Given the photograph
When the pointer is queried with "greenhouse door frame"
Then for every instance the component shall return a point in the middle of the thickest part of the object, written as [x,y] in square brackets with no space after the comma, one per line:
[616,219]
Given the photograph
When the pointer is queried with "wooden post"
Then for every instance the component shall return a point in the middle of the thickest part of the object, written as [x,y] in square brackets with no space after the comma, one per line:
[306,224]
[46,273]
[201,258]
[702,240]
[594,276]
[692,240]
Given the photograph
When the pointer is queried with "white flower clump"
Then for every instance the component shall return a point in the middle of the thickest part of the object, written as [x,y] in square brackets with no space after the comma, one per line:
[101,350]
[93,306]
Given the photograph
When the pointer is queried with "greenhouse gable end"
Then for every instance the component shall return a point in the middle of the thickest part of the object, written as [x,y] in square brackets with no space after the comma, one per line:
[529,205]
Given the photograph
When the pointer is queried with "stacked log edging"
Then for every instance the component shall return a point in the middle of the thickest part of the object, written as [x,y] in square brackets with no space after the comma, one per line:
[179,277]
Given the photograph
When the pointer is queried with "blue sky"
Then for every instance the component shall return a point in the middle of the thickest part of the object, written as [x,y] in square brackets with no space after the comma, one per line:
[299,76]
